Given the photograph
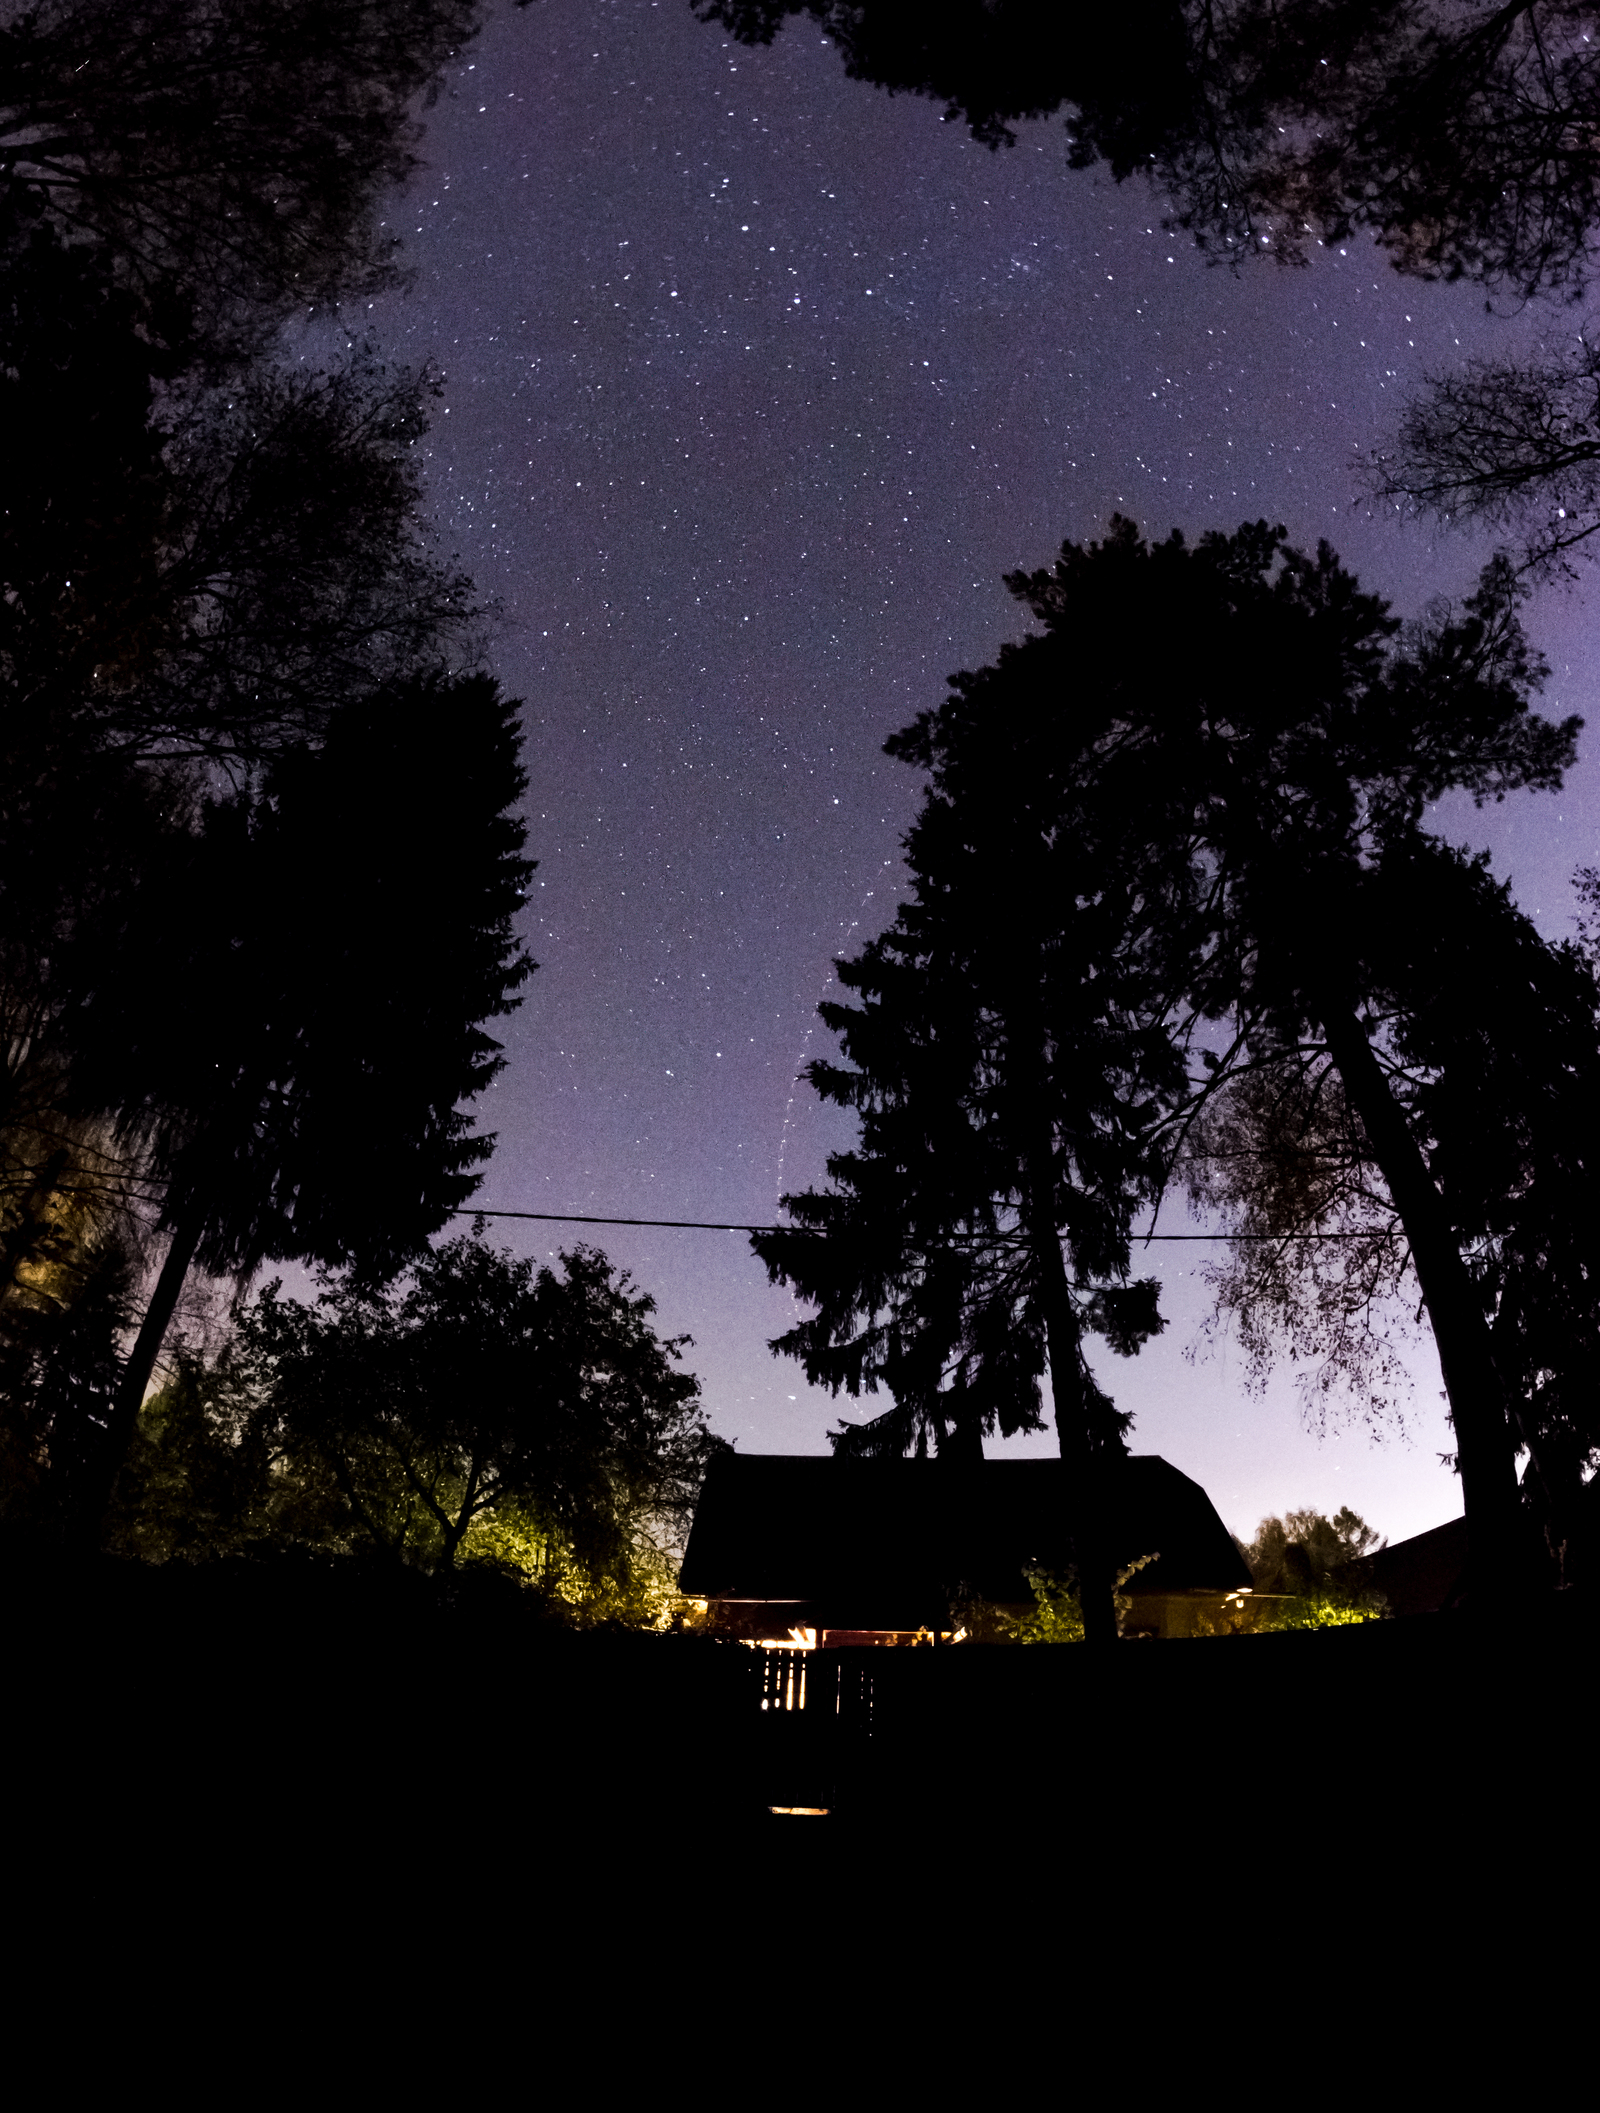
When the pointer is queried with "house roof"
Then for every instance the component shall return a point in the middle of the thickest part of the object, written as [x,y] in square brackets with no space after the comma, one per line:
[1418,1576]
[880,1542]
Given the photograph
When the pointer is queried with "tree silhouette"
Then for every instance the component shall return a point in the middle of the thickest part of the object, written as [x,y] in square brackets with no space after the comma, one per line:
[1507,444]
[1488,1038]
[1230,739]
[226,160]
[1299,741]
[1462,139]
[326,957]
[1011,1065]
[192,582]
[210,567]
[481,1386]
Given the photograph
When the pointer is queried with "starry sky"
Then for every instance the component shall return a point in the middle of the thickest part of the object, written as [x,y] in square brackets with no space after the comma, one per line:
[756,381]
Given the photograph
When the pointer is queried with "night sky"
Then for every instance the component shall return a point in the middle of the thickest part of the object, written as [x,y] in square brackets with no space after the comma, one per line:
[756,381]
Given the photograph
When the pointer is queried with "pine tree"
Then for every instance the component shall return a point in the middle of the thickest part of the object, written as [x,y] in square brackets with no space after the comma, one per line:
[328,956]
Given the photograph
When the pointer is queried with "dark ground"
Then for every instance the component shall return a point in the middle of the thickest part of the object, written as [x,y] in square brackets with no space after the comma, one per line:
[257,1750]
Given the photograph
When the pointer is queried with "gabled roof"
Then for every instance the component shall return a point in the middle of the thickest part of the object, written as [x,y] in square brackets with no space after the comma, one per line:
[879,1540]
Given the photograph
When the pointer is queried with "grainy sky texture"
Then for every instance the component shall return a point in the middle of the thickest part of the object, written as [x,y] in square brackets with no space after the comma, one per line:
[756,381]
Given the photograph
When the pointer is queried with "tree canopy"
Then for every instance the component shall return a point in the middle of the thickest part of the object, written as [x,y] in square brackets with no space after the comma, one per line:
[254,917]
[1508,444]
[483,1408]
[1490,1040]
[288,1013]
[225,160]
[1459,135]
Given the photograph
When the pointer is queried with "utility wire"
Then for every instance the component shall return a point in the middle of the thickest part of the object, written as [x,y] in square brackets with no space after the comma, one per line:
[710,1225]
[688,1225]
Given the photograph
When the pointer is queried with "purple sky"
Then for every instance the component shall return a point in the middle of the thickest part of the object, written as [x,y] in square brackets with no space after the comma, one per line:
[757,381]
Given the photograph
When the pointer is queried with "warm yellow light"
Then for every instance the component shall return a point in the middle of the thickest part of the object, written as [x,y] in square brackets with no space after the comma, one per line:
[806,1812]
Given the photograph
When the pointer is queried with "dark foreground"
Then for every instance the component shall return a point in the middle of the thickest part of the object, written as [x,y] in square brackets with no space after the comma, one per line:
[254,1742]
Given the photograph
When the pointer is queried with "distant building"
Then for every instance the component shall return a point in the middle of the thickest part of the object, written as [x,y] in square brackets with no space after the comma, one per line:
[825,1551]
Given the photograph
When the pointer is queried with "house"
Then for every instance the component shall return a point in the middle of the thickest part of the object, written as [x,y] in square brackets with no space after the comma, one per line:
[823,1551]
[1423,1575]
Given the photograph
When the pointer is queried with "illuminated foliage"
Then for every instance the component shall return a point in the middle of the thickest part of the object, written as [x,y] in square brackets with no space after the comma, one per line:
[481,1410]
[1299,1565]
[1057,1616]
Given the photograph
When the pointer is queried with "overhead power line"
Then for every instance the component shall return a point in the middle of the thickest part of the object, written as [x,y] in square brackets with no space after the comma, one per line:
[718,1225]
[682,1225]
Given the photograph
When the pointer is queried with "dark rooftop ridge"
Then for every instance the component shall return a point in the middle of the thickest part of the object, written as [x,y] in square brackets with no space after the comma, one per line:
[881,1540]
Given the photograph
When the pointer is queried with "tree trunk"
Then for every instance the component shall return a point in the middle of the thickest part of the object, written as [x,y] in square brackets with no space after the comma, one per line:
[106,1462]
[1085,1484]
[1085,1493]
[1485,1451]
[962,1444]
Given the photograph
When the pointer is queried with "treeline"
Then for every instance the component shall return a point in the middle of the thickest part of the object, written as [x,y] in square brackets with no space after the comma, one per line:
[260,844]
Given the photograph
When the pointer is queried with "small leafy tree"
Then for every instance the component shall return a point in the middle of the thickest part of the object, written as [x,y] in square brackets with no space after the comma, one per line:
[1301,1563]
[482,1409]
[1057,1616]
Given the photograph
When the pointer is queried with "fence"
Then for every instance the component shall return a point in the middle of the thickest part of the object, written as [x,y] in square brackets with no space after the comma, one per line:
[915,1737]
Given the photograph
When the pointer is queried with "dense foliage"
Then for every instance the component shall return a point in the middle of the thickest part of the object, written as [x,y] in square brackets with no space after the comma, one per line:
[223,158]
[482,1409]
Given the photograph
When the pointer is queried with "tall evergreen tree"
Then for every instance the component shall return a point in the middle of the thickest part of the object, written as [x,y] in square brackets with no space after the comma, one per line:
[325,957]
[209,566]
[1012,1066]
[193,583]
